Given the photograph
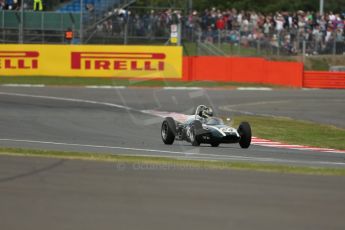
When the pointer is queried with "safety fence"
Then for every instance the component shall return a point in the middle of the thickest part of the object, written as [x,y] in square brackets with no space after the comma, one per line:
[156,62]
[36,27]
[259,71]
[324,79]
[115,26]
[26,26]
[237,42]
[249,70]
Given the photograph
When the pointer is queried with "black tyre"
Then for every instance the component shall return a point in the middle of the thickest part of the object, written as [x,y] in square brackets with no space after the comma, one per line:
[215,144]
[246,135]
[195,130]
[168,131]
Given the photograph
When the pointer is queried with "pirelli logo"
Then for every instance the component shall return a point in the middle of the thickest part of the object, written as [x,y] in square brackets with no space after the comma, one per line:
[108,61]
[19,60]
[118,61]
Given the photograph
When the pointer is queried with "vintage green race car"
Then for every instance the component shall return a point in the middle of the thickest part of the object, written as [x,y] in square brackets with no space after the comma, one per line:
[203,128]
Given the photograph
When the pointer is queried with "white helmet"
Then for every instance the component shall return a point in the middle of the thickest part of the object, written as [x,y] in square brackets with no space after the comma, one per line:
[206,112]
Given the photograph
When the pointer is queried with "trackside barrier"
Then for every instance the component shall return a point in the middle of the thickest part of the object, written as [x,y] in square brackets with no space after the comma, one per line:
[159,62]
[323,79]
[155,62]
[247,70]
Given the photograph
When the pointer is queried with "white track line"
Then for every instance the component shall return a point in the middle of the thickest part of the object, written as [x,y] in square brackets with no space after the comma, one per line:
[105,87]
[182,154]
[25,85]
[69,99]
[254,89]
[185,88]
[182,88]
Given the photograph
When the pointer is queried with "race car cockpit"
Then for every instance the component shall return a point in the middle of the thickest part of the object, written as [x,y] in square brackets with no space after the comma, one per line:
[214,121]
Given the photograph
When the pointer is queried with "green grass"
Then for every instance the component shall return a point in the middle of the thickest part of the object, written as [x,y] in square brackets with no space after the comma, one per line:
[237,50]
[313,62]
[191,49]
[319,64]
[171,163]
[74,81]
[295,132]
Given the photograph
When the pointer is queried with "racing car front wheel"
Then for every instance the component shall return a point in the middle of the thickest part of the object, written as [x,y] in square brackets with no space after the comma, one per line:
[246,135]
[168,131]
[195,130]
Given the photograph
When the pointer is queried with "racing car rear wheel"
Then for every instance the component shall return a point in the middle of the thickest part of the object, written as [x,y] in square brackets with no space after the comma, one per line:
[246,135]
[168,131]
[196,127]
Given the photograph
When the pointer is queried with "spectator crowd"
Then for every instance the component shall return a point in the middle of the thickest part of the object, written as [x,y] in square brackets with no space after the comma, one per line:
[286,30]
[282,30]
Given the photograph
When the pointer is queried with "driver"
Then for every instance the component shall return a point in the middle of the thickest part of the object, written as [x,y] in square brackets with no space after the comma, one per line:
[206,113]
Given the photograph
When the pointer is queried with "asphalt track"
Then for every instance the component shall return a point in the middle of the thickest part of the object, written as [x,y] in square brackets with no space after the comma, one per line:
[38,193]
[112,121]
[79,195]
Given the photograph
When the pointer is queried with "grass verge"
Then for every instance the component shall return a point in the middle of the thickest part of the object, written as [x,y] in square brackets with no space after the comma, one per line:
[191,49]
[295,132]
[171,163]
[74,81]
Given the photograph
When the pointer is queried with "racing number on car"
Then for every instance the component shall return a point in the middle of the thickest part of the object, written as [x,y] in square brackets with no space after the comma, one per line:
[188,132]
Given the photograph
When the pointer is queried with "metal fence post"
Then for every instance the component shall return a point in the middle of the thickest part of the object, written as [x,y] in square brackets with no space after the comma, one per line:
[334,44]
[198,53]
[179,30]
[125,33]
[61,27]
[219,38]
[21,25]
[81,22]
[239,43]
[3,26]
[258,52]
[298,39]
[278,51]
[304,45]
[42,27]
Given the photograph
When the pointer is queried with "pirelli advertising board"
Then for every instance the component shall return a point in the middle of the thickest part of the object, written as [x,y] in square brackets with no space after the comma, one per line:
[91,61]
